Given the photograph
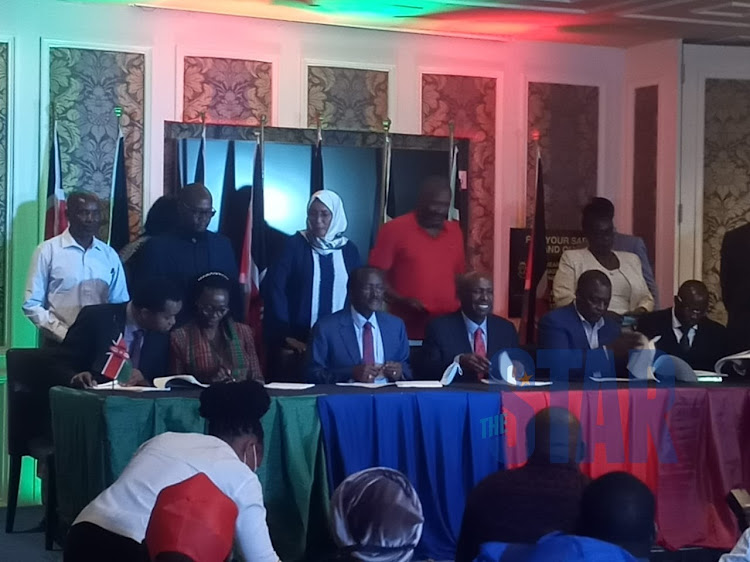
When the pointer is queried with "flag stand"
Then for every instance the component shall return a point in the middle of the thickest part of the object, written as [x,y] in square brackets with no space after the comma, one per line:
[386,172]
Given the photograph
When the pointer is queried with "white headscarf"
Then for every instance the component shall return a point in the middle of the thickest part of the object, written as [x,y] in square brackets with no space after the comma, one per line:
[377,516]
[334,238]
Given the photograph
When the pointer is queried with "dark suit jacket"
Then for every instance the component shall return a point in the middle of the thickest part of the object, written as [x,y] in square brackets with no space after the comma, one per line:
[735,273]
[562,329]
[709,344]
[93,333]
[446,337]
[334,350]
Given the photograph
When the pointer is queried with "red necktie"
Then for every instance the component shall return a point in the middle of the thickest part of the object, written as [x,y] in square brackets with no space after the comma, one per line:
[368,347]
[479,347]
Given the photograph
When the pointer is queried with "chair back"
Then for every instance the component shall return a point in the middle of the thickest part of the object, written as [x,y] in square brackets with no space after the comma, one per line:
[29,380]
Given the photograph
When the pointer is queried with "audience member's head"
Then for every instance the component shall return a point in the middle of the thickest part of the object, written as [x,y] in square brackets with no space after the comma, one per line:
[691,303]
[367,290]
[553,435]
[233,411]
[598,228]
[619,509]
[475,291]
[84,214]
[191,521]
[433,202]
[326,219]
[593,292]
[211,299]
[156,303]
[195,208]
[602,206]
[376,516]
[162,217]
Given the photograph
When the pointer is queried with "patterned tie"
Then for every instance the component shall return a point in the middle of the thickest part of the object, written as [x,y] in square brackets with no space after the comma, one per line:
[368,346]
[685,340]
[135,348]
[479,347]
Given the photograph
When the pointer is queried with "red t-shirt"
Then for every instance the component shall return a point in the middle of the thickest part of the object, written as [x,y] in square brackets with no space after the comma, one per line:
[421,267]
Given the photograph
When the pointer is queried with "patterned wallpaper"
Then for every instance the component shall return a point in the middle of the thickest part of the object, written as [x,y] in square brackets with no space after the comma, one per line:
[3,179]
[228,91]
[567,119]
[470,103]
[726,174]
[347,98]
[85,87]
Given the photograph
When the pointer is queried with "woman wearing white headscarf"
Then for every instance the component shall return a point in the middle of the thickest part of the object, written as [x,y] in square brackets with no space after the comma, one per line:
[309,279]
[376,516]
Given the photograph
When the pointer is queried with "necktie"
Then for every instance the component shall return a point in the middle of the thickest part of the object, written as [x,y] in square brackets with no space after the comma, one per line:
[135,348]
[368,346]
[684,340]
[479,347]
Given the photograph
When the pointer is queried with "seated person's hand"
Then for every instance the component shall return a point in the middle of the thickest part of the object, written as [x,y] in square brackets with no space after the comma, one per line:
[637,312]
[367,373]
[296,345]
[393,371]
[628,341]
[82,380]
[222,375]
[137,379]
[474,363]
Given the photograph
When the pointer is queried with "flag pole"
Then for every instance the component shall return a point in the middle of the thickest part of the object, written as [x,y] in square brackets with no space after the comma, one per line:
[528,324]
[386,171]
[118,115]
[452,163]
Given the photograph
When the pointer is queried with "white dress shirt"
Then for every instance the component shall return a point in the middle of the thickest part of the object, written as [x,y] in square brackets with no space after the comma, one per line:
[64,277]
[678,331]
[592,331]
[125,507]
[377,338]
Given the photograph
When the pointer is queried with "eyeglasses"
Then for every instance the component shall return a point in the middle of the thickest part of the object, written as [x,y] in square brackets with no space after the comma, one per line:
[200,213]
[209,310]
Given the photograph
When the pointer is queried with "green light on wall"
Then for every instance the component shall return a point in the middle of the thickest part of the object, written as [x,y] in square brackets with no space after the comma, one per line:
[370,9]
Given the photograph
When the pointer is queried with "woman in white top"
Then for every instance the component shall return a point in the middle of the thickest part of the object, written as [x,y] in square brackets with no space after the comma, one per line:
[630,294]
[113,526]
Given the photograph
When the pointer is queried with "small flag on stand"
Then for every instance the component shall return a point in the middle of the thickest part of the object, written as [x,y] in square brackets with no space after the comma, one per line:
[56,220]
[200,165]
[119,224]
[117,367]
[536,285]
[227,191]
[316,166]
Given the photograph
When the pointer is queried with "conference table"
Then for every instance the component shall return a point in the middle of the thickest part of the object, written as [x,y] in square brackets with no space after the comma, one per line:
[688,443]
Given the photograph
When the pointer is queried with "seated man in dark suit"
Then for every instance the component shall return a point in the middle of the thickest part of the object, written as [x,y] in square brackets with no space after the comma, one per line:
[583,323]
[144,325]
[468,338]
[360,343]
[685,330]
[523,504]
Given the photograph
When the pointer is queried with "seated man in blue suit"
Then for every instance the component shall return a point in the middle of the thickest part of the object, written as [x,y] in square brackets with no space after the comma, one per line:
[469,337]
[582,324]
[360,343]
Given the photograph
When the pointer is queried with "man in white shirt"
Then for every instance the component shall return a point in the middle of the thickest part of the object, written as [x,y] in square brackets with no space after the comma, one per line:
[360,343]
[73,270]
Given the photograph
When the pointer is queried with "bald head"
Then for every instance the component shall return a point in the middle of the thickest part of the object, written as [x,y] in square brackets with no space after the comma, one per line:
[554,436]
[434,202]
[691,303]
[195,208]
[475,291]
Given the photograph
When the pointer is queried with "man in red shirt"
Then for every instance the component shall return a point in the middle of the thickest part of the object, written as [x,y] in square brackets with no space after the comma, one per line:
[422,253]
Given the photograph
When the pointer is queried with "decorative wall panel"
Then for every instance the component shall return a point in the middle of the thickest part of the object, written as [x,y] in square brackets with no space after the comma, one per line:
[468,102]
[4,110]
[85,87]
[645,142]
[567,120]
[347,98]
[227,91]
[726,175]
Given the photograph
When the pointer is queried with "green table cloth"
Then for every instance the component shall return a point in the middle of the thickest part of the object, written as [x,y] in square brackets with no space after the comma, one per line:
[96,434]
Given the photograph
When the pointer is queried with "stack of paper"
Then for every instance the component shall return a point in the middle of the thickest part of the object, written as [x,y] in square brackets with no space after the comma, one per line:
[117,386]
[419,384]
[289,385]
[365,384]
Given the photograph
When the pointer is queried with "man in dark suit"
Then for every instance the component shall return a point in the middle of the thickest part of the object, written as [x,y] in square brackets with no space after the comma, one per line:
[360,343]
[735,272]
[467,339]
[144,325]
[685,330]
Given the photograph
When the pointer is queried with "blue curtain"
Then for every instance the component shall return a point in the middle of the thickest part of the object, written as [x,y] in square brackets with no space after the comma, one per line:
[435,438]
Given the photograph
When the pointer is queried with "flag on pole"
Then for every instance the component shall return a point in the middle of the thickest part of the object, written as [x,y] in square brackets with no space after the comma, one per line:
[227,192]
[316,166]
[200,165]
[119,224]
[536,284]
[56,221]
[117,365]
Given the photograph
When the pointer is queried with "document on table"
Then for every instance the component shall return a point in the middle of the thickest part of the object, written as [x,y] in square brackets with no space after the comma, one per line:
[365,384]
[419,384]
[743,356]
[289,385]
[117,386]
[609,379]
